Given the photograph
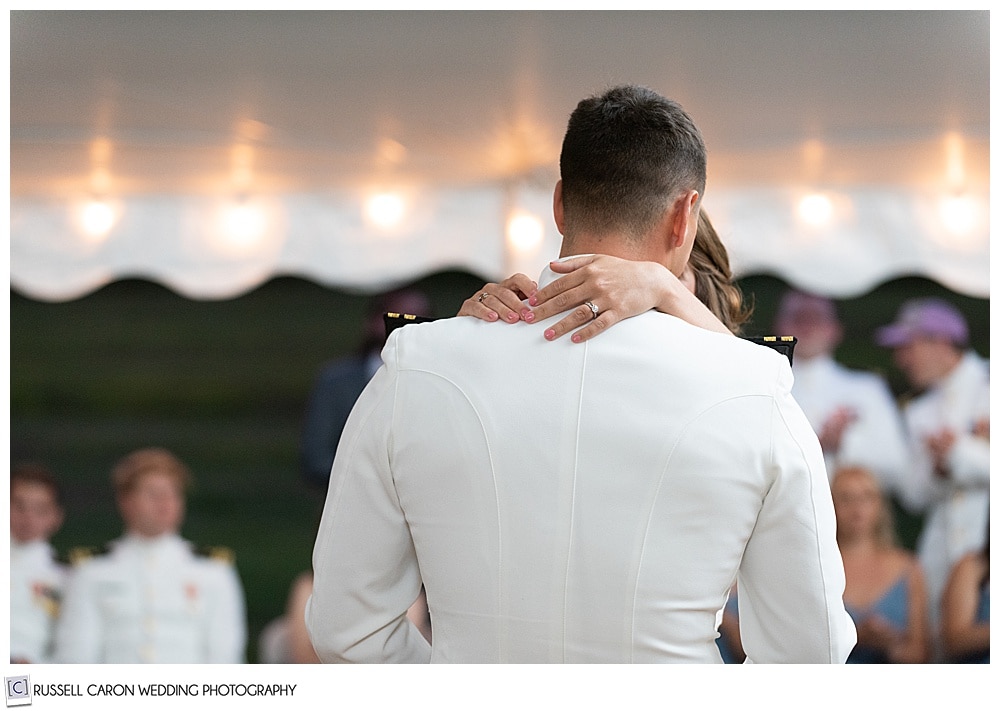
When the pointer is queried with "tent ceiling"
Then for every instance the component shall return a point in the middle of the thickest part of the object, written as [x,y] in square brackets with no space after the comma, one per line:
[333,98]
[138,103]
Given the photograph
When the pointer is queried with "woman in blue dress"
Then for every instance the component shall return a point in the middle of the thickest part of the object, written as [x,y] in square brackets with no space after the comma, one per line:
[885,592]
[965,609]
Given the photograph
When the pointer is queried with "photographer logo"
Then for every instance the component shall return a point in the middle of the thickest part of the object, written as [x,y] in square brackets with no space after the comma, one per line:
[18,690]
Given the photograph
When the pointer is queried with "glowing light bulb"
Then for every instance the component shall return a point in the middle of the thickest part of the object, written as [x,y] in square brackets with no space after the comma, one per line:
[816,209]
[97,219]
[243,225]
[959,213]
[525,232]
[386,210]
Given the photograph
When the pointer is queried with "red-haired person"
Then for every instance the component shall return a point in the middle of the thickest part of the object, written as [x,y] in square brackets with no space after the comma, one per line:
[152,597]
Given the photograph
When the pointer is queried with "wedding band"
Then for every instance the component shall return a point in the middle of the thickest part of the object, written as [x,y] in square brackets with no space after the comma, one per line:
[593,307]
[483,296]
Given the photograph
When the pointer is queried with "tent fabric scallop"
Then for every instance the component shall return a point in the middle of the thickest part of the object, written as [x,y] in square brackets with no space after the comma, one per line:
[874,235]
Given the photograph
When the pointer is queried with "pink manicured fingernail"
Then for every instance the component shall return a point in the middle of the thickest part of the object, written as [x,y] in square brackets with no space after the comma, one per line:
[550,334]
[512,317]
[492,317]
[527,315]
[533,300]
[576,338]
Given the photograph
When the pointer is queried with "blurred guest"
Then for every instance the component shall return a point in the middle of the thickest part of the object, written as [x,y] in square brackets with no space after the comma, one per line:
[886,593]
[152,597]
[965,609]
[340,382]
[36,577]
[853,412]
[947,425]
[286,639]
[300,649]
[730,646]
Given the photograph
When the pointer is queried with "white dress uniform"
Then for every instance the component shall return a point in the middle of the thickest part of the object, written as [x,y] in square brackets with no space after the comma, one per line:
[567,502]
[876,440]
[36,582]
[956,508]
[152,601]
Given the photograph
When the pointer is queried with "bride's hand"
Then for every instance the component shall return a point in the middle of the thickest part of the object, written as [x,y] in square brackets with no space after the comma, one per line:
[619,288]
[501,301]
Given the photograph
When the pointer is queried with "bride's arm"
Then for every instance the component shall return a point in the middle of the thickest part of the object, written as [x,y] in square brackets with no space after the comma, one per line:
[620,288]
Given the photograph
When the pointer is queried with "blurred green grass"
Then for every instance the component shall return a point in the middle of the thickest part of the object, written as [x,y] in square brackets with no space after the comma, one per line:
[224,383]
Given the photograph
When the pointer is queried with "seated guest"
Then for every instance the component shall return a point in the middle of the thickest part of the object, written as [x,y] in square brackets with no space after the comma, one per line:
[965,609]
[886,593]
[730,646]
[152,597]
[286,639]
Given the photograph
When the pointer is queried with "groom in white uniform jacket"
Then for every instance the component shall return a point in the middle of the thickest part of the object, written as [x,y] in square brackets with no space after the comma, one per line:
[591,502]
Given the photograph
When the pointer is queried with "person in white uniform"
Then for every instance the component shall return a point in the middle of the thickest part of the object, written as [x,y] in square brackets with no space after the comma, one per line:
[853,412]
[948,428]
[36,575]
[152,597]
[592,502]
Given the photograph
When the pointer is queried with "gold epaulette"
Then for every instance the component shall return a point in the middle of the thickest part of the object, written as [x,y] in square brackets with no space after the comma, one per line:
[50,600]
[782,344]
[81,553]
[220,553]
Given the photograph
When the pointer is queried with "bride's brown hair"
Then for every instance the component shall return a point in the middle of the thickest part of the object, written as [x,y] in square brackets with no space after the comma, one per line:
[713,277]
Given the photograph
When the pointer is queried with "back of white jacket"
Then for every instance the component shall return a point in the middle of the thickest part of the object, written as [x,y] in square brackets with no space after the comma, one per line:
[570,502]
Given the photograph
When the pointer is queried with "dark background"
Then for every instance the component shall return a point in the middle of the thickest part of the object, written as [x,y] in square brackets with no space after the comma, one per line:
[223,384]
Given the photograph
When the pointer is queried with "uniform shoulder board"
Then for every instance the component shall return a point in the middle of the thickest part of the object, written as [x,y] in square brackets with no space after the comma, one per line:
[220,553]
[79,554]
[785,345]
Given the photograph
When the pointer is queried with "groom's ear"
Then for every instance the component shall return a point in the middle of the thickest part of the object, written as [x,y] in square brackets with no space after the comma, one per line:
[557,206]
[684,221]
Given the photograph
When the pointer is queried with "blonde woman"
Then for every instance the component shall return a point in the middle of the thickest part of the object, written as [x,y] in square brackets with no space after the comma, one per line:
[886,593]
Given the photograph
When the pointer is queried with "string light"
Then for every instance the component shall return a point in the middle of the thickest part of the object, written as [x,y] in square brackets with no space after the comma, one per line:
[524,233]
[959,213]
[97,218]
[385,210]
[816,209]
[243,225]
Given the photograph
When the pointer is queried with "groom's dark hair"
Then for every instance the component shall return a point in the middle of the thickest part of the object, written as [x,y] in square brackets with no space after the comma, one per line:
[627,154]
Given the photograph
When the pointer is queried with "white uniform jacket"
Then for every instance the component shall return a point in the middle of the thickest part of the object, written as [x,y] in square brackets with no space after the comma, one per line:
[36,581]
[567,502]
[957,507]
[152,601]
[876,440]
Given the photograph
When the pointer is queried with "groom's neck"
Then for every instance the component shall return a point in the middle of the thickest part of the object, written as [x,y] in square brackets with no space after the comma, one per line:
[615,245]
